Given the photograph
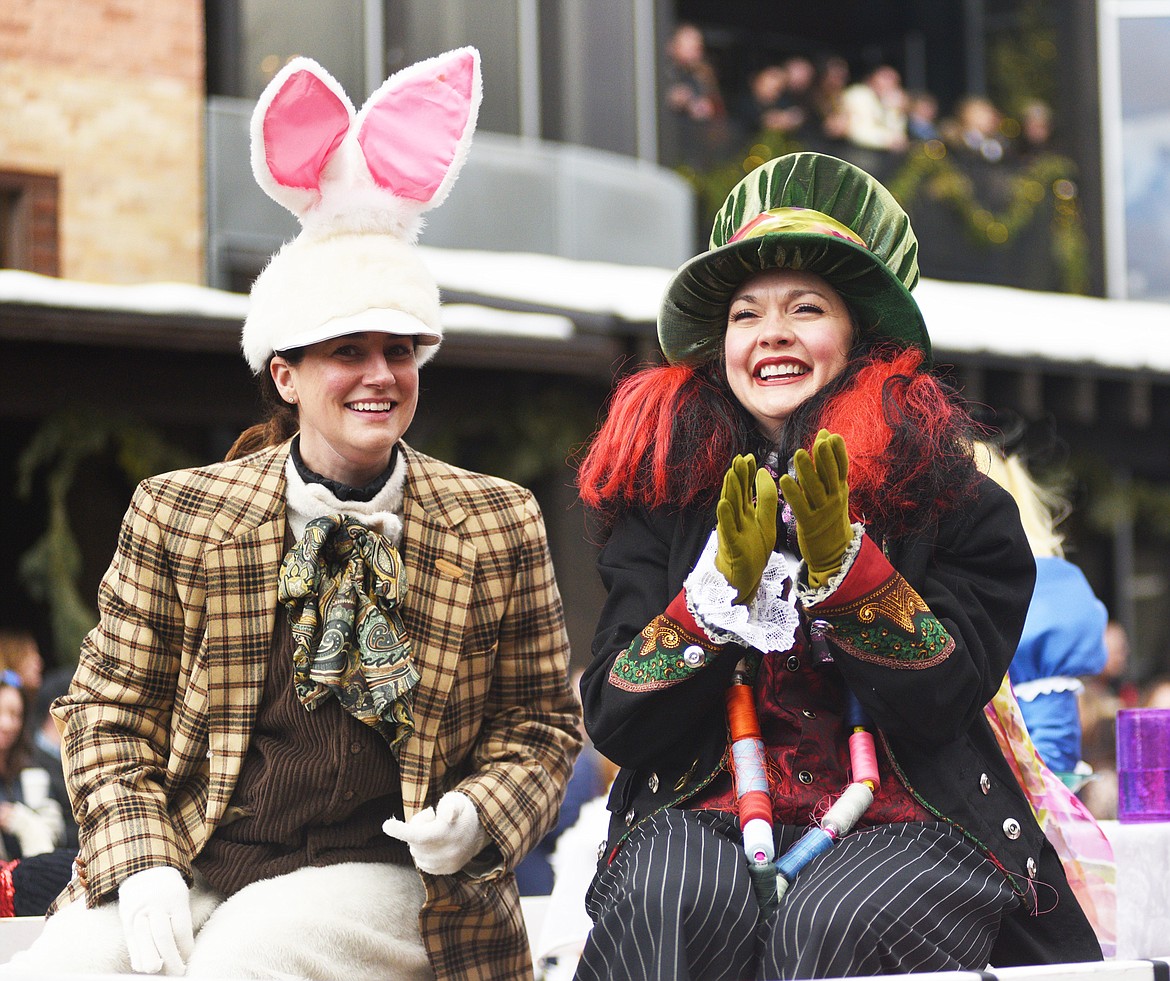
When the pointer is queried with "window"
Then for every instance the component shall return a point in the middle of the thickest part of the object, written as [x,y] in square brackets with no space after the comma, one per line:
[28,223]
[422,28]
[249,41]
[1135,123]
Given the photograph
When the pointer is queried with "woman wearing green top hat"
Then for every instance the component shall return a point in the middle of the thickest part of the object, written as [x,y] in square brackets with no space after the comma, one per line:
[799,550]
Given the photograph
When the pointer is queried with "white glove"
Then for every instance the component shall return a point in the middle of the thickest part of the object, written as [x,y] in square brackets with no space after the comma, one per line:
[32,831]
[443,838]
[155,907]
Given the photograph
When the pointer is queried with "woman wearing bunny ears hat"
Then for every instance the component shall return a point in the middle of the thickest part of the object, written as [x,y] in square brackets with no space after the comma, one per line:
[325,711]
[793,657]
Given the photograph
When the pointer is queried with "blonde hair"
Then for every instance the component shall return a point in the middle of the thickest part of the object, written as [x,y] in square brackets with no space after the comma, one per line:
[1041,508]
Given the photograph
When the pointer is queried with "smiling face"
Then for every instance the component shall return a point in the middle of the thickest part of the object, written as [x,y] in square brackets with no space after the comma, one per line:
[355,397]
[788,335]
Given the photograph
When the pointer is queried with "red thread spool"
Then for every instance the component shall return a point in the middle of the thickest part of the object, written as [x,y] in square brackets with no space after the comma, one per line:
[755,804]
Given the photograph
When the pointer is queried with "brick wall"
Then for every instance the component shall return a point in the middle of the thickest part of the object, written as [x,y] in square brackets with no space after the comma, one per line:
[107,95]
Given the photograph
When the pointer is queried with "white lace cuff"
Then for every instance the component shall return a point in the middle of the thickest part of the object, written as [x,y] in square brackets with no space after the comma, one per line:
[1028,691]
[811,597]
[768,623]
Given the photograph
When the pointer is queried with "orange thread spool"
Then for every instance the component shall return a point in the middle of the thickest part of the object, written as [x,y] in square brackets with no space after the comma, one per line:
[741,713]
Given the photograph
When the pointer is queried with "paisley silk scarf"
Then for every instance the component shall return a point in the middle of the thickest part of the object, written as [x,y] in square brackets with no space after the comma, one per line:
[343,585]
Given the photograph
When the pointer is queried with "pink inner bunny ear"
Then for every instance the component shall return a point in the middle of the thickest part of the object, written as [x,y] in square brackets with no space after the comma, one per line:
[304,124]
[412,134]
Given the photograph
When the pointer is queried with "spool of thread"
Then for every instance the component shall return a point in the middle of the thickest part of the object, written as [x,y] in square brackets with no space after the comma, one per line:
[756,805]
[758,845]
[741,712]
[847,809]
[863,758]
[817,630]
[1143,765]
[816,841]
[747,757]
[754,801]
[855,717]
[782,885]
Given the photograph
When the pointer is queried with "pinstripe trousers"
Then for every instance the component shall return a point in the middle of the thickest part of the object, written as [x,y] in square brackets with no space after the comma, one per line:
[677,903]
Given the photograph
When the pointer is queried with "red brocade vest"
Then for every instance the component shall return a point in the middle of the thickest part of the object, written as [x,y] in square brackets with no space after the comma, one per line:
[801,707]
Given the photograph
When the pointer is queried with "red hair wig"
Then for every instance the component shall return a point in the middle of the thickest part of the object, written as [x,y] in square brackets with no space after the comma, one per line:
[671,432]
[633,459]
[908,442]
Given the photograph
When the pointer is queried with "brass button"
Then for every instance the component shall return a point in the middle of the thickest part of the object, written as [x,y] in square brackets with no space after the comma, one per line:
[631,817]
[808,713]
[805,777]
[652,783]
[793,663]
[984,782]
[1011,828]
[694,656]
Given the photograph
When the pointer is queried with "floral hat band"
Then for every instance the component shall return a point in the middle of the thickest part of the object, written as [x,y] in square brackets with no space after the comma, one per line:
[804,220]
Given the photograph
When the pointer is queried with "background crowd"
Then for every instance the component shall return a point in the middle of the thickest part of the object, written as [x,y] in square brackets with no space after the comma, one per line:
[992,197]
[822,104]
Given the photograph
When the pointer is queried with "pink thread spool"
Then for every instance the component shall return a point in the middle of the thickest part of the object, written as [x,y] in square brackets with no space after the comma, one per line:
[1143,765]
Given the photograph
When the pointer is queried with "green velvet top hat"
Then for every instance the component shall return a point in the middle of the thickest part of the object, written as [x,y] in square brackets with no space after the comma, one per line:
[801,211]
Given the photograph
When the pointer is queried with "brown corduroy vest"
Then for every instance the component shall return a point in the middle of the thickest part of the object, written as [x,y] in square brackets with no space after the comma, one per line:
[313,790]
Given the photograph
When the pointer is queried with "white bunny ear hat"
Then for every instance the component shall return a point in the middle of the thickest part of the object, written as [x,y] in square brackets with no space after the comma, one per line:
[359,183]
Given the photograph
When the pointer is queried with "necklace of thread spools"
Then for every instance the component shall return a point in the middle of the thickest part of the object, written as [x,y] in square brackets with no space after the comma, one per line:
[754,799]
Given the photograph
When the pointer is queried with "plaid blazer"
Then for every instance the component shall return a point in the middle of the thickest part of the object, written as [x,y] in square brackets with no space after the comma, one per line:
[157,721]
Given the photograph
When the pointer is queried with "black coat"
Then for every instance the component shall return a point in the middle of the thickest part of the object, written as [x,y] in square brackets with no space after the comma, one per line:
[975,573]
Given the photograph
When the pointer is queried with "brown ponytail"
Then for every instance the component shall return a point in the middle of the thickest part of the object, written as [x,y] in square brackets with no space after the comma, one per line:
[281,421]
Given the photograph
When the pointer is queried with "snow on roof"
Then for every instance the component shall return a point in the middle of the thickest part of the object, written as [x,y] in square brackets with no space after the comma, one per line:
[1000,320]
[630,293]
[962,317]
[18,287]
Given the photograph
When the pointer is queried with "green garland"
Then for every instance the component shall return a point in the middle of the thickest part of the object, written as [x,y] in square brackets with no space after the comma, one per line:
[1023,55]
[51,568]
[928,170]
[713,186]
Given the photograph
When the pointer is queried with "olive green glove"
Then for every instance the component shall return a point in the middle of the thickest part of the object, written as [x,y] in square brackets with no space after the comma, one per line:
[819,499]
[745,530]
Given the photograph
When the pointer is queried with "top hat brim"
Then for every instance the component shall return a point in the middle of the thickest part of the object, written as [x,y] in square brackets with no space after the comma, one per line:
[693,315]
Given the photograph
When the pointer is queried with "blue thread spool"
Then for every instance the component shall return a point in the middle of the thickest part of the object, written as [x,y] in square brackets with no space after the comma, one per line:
[816,841]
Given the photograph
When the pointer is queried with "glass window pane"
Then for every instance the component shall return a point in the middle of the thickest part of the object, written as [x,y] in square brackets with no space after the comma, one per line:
[272,32]
[418,29]
[1145,140]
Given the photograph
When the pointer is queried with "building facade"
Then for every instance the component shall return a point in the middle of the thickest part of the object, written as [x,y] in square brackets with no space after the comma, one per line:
[123,160]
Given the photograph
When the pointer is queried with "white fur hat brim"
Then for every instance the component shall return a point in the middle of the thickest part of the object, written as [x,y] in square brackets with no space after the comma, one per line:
[315,289]
[373,321]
